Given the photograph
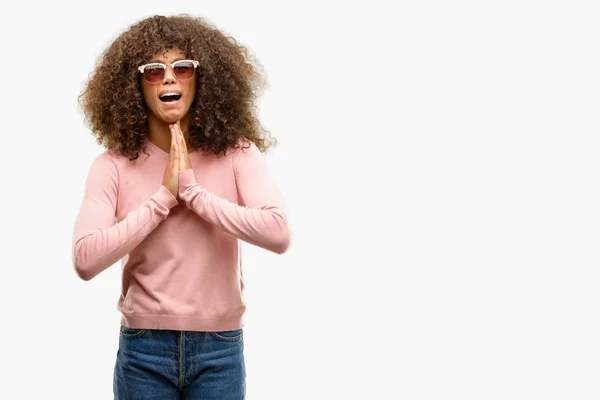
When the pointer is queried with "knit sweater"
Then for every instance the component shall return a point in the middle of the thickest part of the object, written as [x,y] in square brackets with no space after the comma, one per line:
[180,260]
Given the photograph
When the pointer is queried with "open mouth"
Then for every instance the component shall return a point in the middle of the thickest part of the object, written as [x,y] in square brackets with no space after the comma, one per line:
[170,98]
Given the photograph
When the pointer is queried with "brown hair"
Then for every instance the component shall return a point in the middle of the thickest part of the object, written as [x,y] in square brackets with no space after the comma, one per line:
[228,82]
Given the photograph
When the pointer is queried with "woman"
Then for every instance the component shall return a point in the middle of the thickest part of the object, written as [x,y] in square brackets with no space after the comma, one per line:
[182,92]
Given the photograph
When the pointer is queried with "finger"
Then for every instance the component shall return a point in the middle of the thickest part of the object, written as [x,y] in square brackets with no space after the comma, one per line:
[183,143]
[173,147]
[171,130]
[181,146]
[182,152]
[180,137]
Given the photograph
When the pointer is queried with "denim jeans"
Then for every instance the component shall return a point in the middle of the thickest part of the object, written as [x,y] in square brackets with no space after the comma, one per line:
[168,364]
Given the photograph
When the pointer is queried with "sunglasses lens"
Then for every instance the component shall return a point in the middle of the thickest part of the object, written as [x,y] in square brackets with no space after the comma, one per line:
[154,73]
[184,69]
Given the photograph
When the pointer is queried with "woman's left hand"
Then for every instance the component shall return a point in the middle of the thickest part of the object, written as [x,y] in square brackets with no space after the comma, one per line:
[184,158]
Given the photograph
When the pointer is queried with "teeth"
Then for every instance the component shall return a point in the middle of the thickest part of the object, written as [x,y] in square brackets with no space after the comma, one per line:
[170,94]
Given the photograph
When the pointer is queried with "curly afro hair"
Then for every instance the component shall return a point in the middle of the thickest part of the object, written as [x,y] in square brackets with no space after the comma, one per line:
[228,83]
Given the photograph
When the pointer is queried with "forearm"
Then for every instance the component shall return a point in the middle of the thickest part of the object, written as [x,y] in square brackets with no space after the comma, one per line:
[264,226]
[95,249]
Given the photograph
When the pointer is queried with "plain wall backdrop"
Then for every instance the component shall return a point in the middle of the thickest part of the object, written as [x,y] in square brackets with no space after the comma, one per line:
[440,165]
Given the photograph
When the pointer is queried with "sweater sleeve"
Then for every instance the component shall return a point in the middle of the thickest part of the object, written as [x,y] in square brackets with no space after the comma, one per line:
[99,242]
[259,218]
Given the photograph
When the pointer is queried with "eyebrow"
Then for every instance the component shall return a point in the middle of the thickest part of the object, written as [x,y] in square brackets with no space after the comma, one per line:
[158,61]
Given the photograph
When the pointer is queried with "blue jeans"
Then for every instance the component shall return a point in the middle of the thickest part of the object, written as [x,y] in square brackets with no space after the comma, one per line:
[167,364]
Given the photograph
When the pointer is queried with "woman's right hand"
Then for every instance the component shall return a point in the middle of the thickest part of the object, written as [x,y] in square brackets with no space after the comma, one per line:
[171,176]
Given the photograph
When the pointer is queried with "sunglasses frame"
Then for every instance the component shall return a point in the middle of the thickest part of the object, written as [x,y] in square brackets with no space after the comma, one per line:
[143,67]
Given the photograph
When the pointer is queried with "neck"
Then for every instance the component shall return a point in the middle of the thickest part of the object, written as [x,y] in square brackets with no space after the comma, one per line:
[160,134]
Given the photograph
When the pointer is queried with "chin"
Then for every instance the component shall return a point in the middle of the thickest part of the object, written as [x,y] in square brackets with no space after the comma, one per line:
[172,118]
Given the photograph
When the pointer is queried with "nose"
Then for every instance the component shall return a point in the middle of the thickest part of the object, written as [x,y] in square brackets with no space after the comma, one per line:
[169,75]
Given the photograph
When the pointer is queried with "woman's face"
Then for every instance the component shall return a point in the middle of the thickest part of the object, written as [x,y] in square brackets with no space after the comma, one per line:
[169,110]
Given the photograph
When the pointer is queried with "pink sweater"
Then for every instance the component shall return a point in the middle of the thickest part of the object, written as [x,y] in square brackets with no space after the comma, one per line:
[181,267]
